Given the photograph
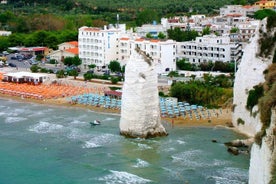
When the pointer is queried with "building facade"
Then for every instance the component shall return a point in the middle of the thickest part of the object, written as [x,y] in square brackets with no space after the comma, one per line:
[163,52]
[99,46]
[209,48]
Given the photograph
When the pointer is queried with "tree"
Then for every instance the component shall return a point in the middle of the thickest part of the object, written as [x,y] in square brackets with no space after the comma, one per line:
[114,66]
[146,17]
[183,65]
[148,35]
[76,61]
[161,35]
[178,35]
[74,73]
[4,43]
[88,76]
[92,66]
[234,30]
[69,61]
[173,74]
[60,74]
[261,14]
[34,68]
[206,31]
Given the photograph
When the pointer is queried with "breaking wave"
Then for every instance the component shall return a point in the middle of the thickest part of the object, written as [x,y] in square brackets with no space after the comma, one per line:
[121,177]
[45,127]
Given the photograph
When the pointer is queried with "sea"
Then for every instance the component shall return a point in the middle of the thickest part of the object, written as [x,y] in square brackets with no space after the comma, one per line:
[44,144]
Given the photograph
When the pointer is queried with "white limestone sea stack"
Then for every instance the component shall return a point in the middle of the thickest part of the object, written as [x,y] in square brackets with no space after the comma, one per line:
[140,114]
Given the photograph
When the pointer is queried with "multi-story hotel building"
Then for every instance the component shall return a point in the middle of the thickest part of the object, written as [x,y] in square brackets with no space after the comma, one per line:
[209,48]
[99,46]
[163,52]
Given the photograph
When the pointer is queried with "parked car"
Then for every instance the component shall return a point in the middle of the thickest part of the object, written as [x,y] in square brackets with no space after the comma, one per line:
[12,65]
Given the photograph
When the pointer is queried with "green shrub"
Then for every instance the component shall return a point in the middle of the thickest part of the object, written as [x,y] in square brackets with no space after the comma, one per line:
[240,121]
[53,61]
[88,76]
[265,105]
[114,80]
[271,21]
[60,74]
[44,70]
[34,68]
[253,96]
[259,137]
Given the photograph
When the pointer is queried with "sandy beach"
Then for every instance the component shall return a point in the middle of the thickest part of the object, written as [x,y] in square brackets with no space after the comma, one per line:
[221,117]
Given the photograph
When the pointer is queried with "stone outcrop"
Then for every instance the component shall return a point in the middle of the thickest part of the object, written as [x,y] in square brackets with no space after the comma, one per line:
[140,114]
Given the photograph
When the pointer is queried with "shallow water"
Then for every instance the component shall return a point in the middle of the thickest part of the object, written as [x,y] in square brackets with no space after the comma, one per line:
[56,145]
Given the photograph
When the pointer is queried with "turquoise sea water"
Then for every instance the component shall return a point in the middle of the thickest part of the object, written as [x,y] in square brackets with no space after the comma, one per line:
[56,145]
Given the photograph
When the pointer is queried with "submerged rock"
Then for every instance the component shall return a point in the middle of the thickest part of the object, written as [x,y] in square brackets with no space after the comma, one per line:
[140,114]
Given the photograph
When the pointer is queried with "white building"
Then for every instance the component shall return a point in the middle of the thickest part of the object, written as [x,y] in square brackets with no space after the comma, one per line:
[232,9]
[5,33]
[99,46]
[66,49]
[153,29]
[209,48]
[68,45]
[163,52]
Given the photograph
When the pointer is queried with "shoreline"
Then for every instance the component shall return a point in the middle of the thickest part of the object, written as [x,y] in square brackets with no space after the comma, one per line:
[222,120]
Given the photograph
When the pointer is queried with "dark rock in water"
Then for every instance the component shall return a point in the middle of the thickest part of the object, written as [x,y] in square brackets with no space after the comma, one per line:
[240,143]
[144,136]
[233,150]
[214,140]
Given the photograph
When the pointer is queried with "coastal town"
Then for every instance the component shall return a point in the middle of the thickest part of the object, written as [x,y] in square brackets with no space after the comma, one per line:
[209,73]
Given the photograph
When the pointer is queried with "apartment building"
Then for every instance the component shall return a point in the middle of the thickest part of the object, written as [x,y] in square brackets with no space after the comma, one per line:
[99,46]
[209,48]
[163,52]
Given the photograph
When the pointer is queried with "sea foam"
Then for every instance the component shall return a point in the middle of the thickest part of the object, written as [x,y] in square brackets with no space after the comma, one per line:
[14,119]
[45,127]
[99,140]
[141,163]
[121,177]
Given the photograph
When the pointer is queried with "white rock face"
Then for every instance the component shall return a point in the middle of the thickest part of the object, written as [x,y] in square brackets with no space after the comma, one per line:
[262,157]
[140,114]
[249,74]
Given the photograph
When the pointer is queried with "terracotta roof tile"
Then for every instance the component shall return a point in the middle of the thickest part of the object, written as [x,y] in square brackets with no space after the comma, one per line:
[73,50]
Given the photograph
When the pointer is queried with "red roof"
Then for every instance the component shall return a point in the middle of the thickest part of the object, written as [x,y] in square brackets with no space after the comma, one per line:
[39,48]
[73,50]
[154,40]
[114,93]
[124,39]
[33,49]
[234,15]
[247,6]
[91,29]
[75,43]
[139,39]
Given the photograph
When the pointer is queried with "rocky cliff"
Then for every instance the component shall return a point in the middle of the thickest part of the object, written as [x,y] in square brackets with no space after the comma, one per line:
[140,114]
[249,74]
[258,121]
